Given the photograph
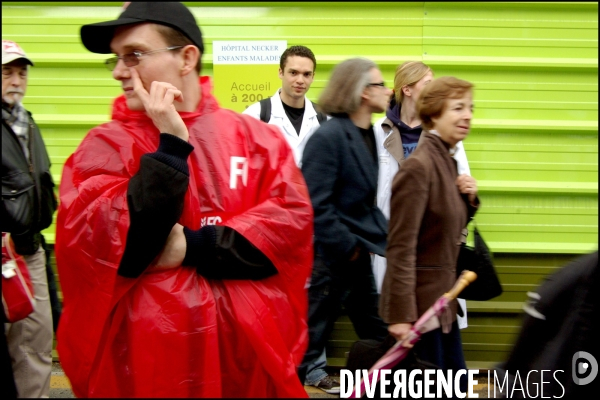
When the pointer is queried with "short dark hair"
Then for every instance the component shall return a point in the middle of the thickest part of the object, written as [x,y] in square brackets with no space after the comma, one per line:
[173,37]
[300,51]
[433,98]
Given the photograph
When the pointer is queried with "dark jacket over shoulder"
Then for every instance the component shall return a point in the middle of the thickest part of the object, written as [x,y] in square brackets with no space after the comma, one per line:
[427,215]
[341,176]
[28,200]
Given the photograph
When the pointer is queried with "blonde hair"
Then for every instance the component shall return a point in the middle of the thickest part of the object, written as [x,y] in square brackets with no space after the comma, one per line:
[433,99]
[408,74]
[343,93]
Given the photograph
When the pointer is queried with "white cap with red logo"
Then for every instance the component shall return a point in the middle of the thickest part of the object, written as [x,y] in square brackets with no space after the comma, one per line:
[12,51]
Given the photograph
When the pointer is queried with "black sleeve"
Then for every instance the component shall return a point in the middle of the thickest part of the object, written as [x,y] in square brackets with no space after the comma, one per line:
[155,197]
[219,252]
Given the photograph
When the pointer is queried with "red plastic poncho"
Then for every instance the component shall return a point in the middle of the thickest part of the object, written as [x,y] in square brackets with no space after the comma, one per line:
[173,333]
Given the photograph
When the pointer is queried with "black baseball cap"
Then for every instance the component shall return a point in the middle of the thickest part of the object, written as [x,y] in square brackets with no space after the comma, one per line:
[97,37]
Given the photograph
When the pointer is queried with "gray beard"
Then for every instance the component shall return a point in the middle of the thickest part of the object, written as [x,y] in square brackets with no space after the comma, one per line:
[13,99]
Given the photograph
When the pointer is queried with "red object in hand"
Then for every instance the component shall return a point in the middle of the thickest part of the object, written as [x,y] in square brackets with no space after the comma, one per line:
[17,290]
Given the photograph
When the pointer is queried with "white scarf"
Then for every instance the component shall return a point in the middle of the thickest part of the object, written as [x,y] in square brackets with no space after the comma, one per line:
[18,120]
[436,133]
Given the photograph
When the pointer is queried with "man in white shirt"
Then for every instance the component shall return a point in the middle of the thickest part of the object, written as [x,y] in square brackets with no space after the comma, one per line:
[296,117]
[290,109]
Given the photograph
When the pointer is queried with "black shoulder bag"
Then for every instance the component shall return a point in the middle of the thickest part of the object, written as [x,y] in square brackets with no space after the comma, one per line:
[479,260]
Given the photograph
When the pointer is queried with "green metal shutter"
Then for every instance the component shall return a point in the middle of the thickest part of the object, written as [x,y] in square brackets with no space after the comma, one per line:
[534,143]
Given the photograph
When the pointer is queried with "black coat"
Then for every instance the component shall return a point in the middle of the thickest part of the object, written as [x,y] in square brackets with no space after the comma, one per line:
[561,321]
[341,176]
[28,199]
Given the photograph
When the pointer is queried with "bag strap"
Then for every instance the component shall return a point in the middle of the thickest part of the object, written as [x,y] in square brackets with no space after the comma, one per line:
[465,230]
[474,221]
[6,244]
[321,117]
[265,110]
[463,235]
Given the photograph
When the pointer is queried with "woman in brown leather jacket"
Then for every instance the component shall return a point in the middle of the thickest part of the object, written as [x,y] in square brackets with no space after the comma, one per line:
[430,206]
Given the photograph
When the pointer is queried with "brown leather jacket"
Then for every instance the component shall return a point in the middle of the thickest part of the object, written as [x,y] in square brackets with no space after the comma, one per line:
[425,230]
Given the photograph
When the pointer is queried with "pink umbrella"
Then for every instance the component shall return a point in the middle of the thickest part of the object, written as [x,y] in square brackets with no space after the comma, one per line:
[428,322]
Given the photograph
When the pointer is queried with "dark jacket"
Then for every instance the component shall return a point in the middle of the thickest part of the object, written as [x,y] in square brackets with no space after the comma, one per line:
[28,199]
[341,176]
[560,323]
[428,214]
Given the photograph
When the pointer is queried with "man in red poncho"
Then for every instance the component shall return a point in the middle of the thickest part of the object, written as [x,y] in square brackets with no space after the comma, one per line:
[184,233]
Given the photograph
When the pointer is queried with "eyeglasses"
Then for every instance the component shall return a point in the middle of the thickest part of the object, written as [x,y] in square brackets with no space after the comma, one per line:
[380,84]
[132,59]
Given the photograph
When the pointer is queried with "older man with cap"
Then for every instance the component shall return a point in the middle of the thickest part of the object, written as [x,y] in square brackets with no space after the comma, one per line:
[28,203]
[184,231]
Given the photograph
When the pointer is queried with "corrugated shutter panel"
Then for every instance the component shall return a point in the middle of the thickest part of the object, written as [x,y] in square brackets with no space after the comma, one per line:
[534,143]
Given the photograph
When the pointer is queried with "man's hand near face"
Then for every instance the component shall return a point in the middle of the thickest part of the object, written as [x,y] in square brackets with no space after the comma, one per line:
[159,105]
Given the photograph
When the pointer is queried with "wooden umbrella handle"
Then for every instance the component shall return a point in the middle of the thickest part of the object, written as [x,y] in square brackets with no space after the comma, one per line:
[463,281]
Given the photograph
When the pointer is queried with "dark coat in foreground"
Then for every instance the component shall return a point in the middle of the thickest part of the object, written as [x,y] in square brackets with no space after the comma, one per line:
[341,176]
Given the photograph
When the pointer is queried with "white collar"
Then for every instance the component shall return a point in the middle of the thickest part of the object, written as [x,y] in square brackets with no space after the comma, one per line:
[451,150]
[279,111]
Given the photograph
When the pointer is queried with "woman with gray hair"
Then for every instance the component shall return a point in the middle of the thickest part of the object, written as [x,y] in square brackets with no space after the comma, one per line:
[340,168]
